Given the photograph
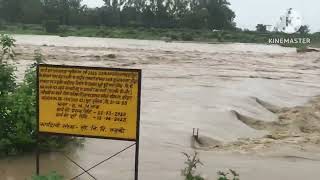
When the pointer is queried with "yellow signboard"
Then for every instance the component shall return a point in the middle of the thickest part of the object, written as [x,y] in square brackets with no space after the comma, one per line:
[89,102]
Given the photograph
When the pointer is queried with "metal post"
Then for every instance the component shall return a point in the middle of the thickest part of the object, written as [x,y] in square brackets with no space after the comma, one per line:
[37,158]
[37,128]
[136,168]
[136,164]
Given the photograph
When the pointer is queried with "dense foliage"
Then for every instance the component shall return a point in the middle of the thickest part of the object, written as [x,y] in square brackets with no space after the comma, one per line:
[18,114]
[7,86]
[7,44]
[212,14]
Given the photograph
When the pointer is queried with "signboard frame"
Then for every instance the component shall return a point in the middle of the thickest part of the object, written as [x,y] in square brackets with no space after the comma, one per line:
[137,139]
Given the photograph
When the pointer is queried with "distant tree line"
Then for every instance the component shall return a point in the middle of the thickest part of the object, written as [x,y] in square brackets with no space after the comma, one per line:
[304,29]
[197,14]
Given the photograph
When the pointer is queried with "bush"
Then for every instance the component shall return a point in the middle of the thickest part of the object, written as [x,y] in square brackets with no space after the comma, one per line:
[25,27]
[23,114]
[7,79]
[174,37]
[7,44]
[190,170]
[51,26]
[192,162]
[63,31]
[7,86]
[187,37]
[18,115]
[102,33]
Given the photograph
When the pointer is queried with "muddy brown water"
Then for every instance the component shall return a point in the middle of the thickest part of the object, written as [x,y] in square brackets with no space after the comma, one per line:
[185,86]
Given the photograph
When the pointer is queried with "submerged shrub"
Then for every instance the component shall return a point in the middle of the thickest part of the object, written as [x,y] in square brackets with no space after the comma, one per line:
[7,44]
[191,162]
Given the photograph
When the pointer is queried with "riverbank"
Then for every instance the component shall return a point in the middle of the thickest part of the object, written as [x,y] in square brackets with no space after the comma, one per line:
[173,34]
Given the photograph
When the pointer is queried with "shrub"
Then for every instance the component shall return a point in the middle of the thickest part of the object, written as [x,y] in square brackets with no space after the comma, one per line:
[18,114]
[7,86]
[192,162]
[7,79]
[220,37]
[130,32]
[51,26]
[63,31]
[187,37]
[23,114]
[35,27]
[212,35]
[38,57]
[174,37]
[7,44]
[102,33]
[25,27]
[190,170]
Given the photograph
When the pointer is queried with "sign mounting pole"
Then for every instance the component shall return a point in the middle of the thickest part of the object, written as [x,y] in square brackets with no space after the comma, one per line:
[37,128]
[136,168]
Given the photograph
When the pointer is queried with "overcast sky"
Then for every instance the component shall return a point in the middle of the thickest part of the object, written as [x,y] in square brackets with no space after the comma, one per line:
[252,12]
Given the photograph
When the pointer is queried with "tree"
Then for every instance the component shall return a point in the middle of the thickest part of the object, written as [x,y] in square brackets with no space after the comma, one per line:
[220,15]
[261,28]
[128,16]
[148,16]
[67,12]
[208,14]
[32,12]
[10,10]
[304,29]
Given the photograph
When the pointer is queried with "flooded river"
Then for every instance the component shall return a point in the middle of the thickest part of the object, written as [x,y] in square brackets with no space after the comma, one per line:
[186,86]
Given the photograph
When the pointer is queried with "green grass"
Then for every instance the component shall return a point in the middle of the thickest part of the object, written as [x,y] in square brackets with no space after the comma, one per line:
[51,176]
[22,29]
